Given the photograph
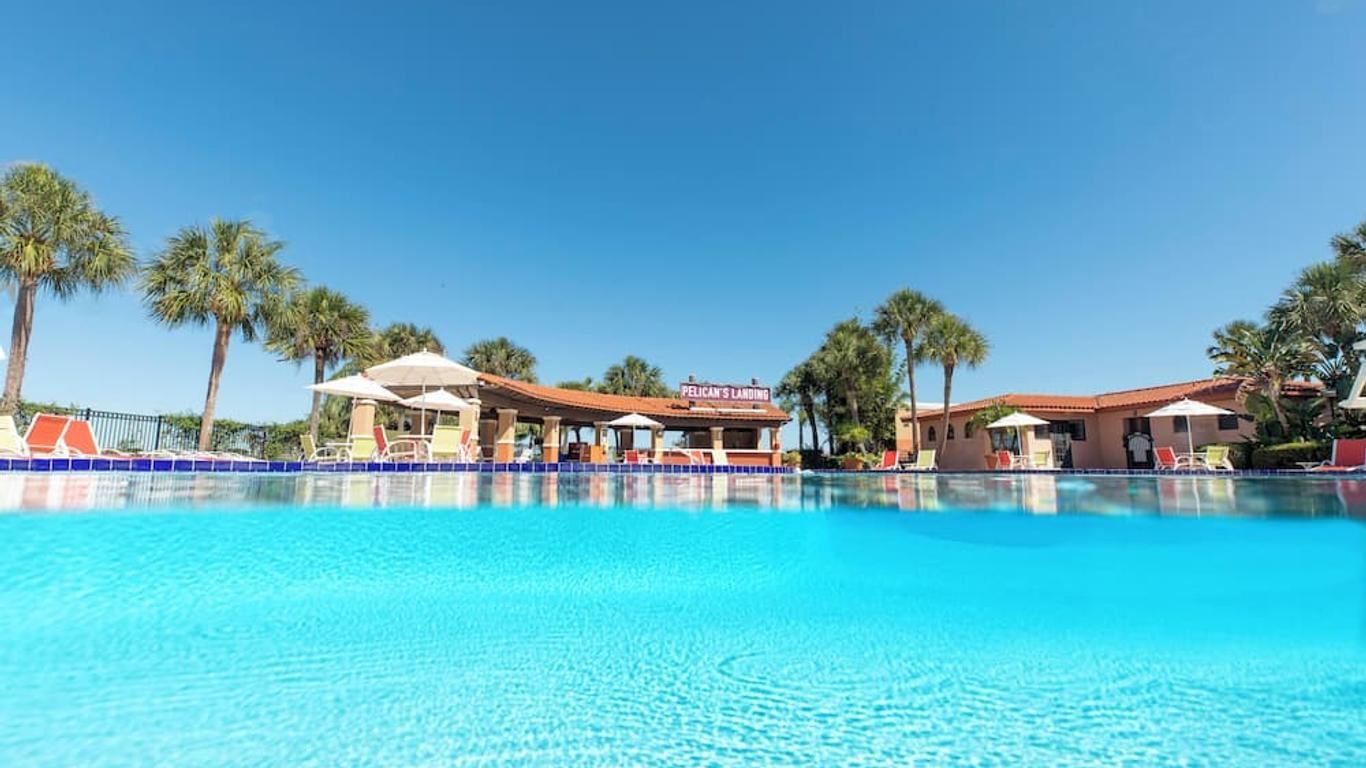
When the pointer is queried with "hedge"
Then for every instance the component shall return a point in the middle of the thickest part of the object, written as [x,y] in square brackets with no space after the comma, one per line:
[1285,455]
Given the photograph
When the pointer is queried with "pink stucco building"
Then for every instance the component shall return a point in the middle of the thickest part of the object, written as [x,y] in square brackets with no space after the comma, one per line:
[1106,431]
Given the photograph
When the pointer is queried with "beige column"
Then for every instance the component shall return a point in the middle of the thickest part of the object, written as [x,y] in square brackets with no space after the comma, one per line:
[488,430]
[363,418]
[550,447]
[507,435]
[598,453]
[657,445]
[775,446]
[717,443]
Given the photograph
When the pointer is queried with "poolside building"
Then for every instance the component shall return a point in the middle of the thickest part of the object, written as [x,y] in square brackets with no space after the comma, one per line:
[574,424]
[1106,431]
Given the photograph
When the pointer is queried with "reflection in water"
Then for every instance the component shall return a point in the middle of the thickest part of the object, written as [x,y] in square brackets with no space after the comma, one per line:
[1031,493]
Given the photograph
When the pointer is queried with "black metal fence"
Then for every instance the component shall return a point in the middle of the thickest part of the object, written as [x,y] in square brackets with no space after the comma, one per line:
[136,432]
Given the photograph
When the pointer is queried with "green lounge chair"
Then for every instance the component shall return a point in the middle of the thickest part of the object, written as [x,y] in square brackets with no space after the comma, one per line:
[1217,457]
[924,461]
[1041,460]
[445,445]
[11,443]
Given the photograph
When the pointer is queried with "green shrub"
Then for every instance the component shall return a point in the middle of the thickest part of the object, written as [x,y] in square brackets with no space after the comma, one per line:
[1285,455]
[792,459]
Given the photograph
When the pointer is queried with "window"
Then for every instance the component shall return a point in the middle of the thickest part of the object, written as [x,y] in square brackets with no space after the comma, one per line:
[1228,422]
[1041,431]
[1180,425]
[950,431]
[931,438]
[1078,429]
[967,431]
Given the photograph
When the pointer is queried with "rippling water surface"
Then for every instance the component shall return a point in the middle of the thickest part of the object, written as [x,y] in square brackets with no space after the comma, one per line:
[643,620]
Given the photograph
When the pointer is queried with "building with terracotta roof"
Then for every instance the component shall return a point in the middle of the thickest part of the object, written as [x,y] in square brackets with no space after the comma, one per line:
[748,432]
[1105,431]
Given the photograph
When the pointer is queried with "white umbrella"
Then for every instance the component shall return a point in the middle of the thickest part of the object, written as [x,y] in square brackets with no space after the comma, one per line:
[436,400]
[423,369]
[1188,408]
[355,386]
[634,421]
[1019,420]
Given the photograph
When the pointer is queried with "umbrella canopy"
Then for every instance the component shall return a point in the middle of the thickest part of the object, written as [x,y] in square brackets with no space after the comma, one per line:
[635,421]
[355,386]
[423,369]
[1188,408]
[436,400]
[1017,419]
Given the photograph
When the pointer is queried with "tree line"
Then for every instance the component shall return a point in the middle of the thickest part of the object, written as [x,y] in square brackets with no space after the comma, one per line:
[1309,332]
[850,384]
[227,276]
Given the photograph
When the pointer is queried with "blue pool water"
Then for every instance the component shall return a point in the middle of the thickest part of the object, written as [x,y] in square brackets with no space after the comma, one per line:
[669,620]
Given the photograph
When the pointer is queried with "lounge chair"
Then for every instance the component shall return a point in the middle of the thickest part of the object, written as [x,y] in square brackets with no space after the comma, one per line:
[1347,456]
[79,440]
[1165,458]
[398,449]
[44,435]
[445,444]
[630,457]
[469,448]
[11,442]
[695,457]
[524,456]
[1006,460]
[719,458]
[924,461]
[1216,457]
[325,455]
[1041,460]
[890,461]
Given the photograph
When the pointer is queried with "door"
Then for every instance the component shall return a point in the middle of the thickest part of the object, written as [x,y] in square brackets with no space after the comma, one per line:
[1138,443]
[1062,447]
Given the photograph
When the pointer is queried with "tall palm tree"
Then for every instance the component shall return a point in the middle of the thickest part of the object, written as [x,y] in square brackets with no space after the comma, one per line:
[1266,356]
[502,357]
[1325,306]
[951,342]
[52,238]
[399,339]
[802,384]
[225,275]
[850,351]
[903,317]
[1351,247]
[634,376]
[324,327]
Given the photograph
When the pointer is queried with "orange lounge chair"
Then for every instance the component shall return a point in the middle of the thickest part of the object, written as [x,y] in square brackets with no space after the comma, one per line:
[890,461]
[1347,456]
[401,449]
[80,441]
[44,435]
[1005,460]
[1165,458]
[630,457]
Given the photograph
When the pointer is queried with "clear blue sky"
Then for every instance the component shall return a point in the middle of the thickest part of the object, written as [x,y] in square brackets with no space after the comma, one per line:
[709,185]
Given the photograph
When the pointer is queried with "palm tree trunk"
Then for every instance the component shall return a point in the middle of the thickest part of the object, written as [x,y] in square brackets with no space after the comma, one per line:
[810,405]
[1273,393]
[20,333]
[948,391]
[910,383]
[319,371]
[222,335]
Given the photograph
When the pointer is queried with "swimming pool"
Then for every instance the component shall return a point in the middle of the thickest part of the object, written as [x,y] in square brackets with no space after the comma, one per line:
[450,619]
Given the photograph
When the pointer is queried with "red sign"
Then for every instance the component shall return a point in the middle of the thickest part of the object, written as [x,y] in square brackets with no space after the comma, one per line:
[726,393]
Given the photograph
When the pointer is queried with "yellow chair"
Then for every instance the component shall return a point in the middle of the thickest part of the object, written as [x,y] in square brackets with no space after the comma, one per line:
[445,445]
[11,442]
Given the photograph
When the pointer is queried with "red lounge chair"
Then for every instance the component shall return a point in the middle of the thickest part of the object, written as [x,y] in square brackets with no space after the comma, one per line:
[1005,460]
[1348,456]
[44,435]
[1164,458]
[402,449]
[630,457]
[889,461]
[80,441]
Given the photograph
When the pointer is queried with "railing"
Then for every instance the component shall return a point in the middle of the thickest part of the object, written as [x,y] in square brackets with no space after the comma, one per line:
[136,432]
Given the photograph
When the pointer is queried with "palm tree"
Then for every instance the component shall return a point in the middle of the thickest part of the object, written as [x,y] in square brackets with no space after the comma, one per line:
[904,316]
[502,357]
[325,327]
[1325,306]
[951,342]
[634,376]
[53,238]
[1266,356]
[225,275]
[399,339]
[847,356]
[802,384]
[1351,247]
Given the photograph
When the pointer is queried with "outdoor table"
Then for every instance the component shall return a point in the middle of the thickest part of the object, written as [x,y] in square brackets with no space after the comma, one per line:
[1308,465]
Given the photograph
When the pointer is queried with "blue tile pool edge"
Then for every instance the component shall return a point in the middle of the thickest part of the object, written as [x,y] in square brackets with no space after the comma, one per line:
[120,464]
